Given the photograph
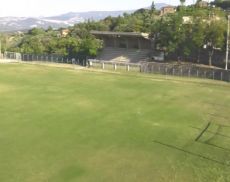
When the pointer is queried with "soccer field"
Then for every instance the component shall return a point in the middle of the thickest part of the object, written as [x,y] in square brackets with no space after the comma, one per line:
[63,125]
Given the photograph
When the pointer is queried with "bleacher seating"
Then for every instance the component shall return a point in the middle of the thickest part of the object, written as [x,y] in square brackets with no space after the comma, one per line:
[123,55]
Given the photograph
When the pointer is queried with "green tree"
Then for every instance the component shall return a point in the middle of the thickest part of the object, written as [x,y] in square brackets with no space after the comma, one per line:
[198,36]
[182,2]
[36,31]
[215,37]
[90,46]
[224,4]
[153,7]
[32,45]
[170,34]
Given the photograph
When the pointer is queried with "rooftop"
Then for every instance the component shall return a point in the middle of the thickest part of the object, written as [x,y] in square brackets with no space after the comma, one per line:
[128,34]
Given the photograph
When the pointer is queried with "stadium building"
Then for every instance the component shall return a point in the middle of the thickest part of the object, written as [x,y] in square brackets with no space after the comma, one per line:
[125,46]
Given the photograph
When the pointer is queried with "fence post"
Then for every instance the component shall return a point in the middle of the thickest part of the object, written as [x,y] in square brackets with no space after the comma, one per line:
[166,70]
[127,67]
[189,73]
[213,74]
[115,66]
[197,73]
[181,71]
[205,74]
[103,65]
[173,71]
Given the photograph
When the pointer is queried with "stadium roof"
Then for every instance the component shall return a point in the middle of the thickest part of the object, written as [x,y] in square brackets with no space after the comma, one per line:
[128,34]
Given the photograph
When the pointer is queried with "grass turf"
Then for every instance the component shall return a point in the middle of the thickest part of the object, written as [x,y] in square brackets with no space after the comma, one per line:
[65,125]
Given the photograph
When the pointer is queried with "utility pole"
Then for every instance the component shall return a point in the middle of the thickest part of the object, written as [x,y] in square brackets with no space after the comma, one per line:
[227,47]
[0,48]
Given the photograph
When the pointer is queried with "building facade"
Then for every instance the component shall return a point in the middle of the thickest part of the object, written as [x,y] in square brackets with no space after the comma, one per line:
[167,10]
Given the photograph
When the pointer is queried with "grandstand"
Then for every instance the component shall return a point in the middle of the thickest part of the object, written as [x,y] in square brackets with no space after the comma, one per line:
[123,55]
[128,47]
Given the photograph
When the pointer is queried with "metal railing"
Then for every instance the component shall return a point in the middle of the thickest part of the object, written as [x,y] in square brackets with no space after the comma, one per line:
[181,70]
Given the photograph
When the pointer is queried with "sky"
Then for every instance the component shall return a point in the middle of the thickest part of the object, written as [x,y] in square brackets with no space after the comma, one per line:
[36,8]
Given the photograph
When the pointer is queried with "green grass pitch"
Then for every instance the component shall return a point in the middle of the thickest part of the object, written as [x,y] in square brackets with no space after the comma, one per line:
[63,125]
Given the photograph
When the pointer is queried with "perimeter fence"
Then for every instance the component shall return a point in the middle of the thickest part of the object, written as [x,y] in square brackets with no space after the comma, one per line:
[52,58]
[173,69]
[176,69]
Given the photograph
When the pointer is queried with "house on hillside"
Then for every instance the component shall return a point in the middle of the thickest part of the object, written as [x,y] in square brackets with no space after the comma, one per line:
[202,4]
[167,10]
[64,32]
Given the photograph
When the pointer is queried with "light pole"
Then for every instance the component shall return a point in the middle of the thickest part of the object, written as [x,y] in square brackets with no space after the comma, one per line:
[226,66]
[0,48]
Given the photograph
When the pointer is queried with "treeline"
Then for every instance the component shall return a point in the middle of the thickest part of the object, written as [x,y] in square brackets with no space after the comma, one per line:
[79,41]
[192,30]
[188,31]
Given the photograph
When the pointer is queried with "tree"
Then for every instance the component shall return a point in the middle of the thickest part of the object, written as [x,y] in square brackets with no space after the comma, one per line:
[215,37]
[36,31]
[153,8]
[224,4]
[90,46]
[182,2]
[198,36]
[3,42]
[170,34]
[32,45]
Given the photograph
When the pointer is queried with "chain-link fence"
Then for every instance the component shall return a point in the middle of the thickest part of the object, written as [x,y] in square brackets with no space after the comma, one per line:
[49,58]
[186,70]
[45,58]
[174,69]
[12,55]
[182,70]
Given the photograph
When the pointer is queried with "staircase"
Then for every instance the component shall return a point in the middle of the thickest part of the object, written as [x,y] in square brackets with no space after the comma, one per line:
[123,55]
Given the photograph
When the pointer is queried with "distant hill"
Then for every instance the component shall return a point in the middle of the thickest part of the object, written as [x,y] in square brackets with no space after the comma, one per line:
[161,5]
[82,16]
[64,20]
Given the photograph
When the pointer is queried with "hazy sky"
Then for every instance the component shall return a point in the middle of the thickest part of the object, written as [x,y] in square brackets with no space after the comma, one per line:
[55,7]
